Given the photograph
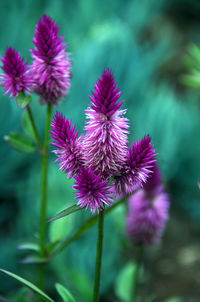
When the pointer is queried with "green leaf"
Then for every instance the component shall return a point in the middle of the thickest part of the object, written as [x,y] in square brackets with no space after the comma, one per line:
[33,259]
[61,228]
[64,293]
[23,100]
[20,142]
[66,212]
[27,126]
[28,284]
[29,246]
[125,281]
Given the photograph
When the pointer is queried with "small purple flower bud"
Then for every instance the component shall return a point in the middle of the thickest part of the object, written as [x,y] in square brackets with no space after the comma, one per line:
[93,192]
[68,145]
[51,66]
[105,143]
[16,78]
[138,166]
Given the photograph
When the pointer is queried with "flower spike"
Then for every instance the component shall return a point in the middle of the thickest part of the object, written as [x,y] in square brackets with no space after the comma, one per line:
[68,145]
[16,77]
[105,143]
[51,66]
[93,192]
[138,166]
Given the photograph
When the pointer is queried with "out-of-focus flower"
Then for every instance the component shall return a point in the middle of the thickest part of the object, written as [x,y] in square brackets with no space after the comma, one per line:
[16,77]
[51,65]
[148,212]
[68,145]
[137,167]
[105,143]
[93,192]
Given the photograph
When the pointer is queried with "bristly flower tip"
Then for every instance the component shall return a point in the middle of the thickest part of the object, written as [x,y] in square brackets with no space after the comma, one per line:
[51,65]
[105,143]
[68,148]
[16,77]
[138,166]
[93,192]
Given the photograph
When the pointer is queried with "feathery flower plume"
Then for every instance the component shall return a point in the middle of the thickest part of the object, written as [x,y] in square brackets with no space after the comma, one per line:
[138,166]
[92,192]
[51,66]
[16,78]
[105,143]
[67,144]
[147,218]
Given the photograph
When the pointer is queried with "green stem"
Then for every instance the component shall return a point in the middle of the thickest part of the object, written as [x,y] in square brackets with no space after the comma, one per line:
[36,133]
[86,226]
[99,257]
[43,205]
[138,263]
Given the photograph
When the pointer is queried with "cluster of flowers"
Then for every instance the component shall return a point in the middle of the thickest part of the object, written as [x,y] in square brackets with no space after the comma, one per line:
[48,75]
[101,162]
[148,211]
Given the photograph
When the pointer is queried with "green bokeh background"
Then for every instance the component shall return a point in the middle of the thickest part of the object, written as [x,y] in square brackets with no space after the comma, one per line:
[143,42]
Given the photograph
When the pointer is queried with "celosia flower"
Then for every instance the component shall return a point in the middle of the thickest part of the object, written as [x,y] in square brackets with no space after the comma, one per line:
[67,144]
[137,166]
[51,66]
[102,156]
[147,217]
[16,78]
[105,143]
[93,192]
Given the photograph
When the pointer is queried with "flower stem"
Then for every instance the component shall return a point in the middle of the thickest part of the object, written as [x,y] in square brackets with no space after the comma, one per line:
[43,205]
[99,257]
[138,263]
[36,133]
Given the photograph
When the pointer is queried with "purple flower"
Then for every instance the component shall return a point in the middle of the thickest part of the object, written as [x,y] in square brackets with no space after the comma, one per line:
[105,143]
[16,78]
[51,66]
[68,145]
[154,181]
[93,192]
[147,217]
[137,167]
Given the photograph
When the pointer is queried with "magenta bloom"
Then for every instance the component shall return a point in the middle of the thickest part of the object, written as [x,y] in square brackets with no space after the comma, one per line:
[105,143]
[68,145]
[93,192]
[51,66]
[147,217]
[102,156]
[16,78]
[137,167]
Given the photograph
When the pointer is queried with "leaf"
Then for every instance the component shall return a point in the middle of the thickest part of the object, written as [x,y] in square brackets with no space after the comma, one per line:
[23,100]
[33,259]
[27,126]
[51,246]
[64,293]
[61,228]
[28,284]
[66,212]
[29,246]
[125,281]
[20,142]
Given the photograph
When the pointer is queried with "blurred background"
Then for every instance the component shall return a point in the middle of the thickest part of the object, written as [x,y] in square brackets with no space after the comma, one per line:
[143,42]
